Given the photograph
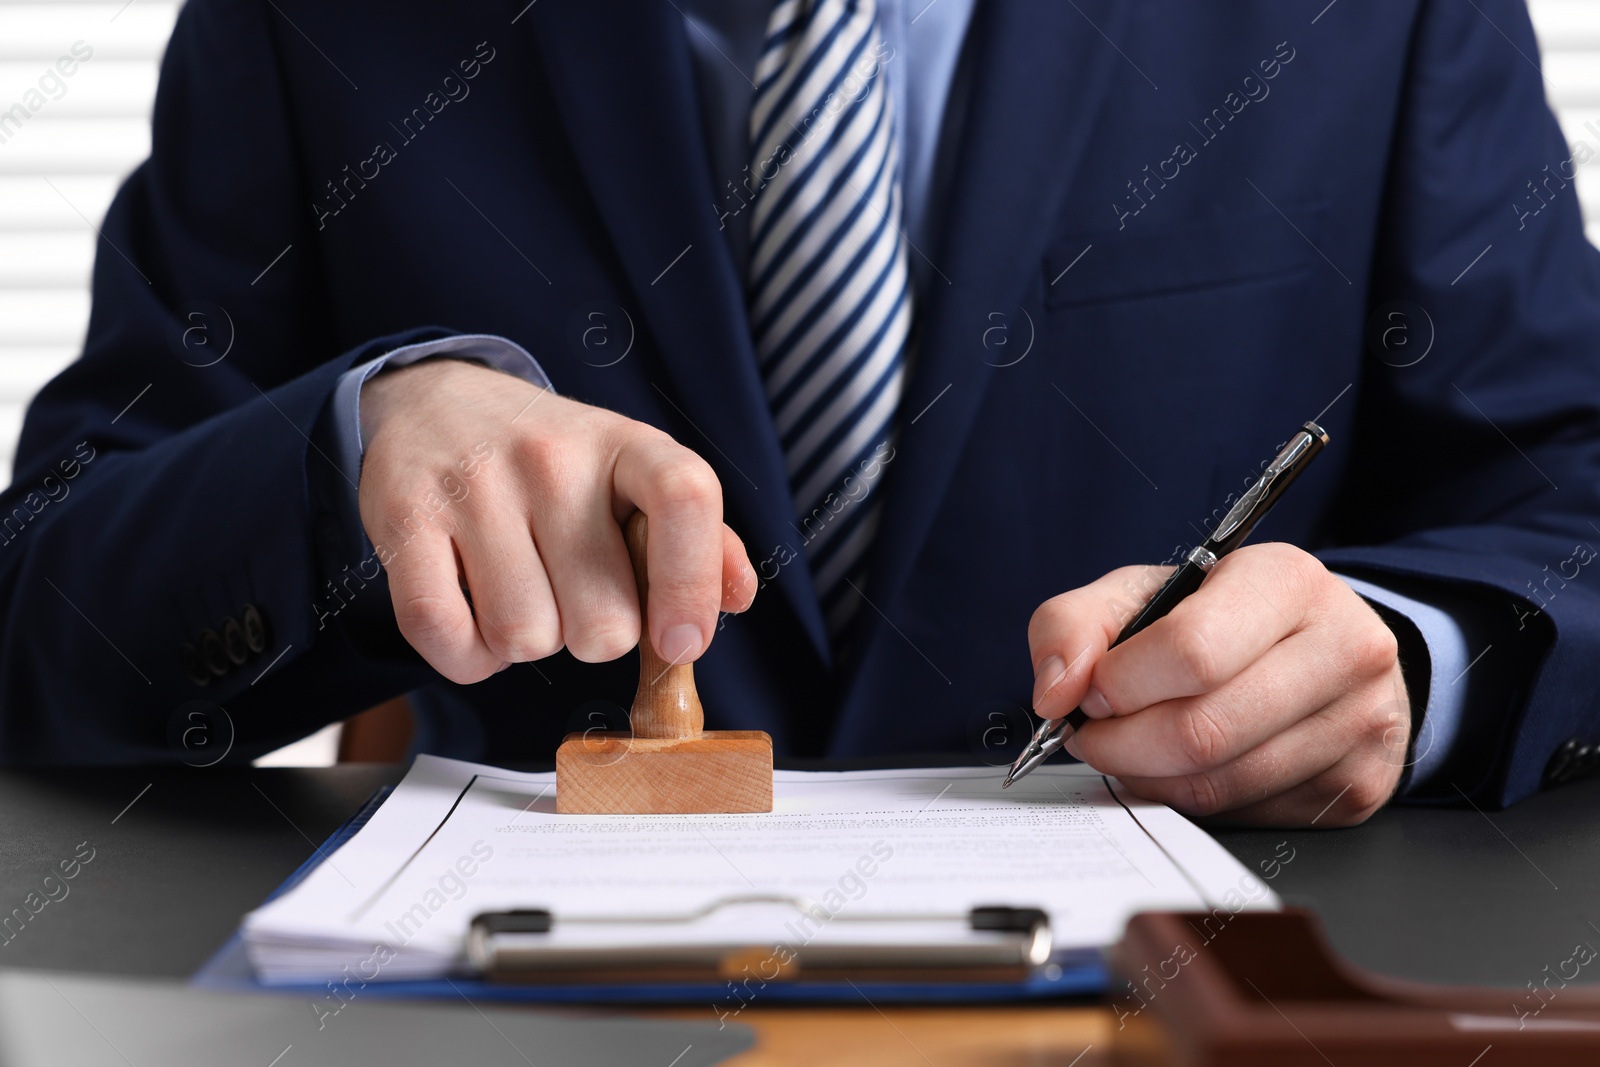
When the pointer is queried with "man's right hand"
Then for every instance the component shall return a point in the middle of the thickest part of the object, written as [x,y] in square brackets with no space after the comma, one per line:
[525,556]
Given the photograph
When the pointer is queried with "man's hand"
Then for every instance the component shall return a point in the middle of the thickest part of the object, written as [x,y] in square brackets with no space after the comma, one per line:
[1272,694]
[478,485]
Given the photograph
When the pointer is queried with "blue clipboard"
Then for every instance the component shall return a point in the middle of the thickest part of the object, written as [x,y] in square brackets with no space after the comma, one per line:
[1074,974]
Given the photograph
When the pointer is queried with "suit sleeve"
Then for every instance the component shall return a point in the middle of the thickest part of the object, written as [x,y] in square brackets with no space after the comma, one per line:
[1478,464]
[159,557]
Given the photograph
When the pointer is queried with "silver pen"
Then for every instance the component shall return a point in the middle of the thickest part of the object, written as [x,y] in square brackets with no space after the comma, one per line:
[1230,533]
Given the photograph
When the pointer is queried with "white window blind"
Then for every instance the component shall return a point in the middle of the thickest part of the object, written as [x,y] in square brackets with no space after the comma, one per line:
[1569,37]
[90,128]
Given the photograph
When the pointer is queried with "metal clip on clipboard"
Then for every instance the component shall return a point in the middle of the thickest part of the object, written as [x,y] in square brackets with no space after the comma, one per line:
[990,943]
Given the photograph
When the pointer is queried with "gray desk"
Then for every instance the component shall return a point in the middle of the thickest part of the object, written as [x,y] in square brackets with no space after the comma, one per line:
[1430,894]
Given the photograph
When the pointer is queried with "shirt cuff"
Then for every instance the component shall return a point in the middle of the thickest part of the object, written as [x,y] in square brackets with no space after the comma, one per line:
[496,352]
[1444,634]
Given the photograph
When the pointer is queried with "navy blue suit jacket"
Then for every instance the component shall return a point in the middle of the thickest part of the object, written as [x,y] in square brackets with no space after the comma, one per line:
[1180,276]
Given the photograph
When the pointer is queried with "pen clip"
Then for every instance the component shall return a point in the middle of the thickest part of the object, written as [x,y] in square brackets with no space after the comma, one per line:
[1245,505]
[1291,453]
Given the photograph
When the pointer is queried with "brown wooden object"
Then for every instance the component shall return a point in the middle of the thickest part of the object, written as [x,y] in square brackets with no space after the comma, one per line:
[948,1035]
[1264,989]
[381,734]
[666,764]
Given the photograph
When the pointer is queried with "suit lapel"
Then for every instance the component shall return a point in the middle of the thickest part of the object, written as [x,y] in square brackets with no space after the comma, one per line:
[1037,74]
[625,89]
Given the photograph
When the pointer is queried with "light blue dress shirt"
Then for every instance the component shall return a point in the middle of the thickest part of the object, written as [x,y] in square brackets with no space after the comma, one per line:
[925,39]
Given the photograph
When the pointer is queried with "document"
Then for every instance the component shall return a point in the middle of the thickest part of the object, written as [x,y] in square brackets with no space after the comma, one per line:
[458,839]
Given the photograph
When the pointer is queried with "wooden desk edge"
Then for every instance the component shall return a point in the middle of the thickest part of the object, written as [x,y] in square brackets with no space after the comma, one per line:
[946,1035]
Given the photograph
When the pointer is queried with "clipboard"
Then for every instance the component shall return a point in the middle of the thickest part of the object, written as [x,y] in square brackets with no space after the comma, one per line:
[1079,973]
[989,943]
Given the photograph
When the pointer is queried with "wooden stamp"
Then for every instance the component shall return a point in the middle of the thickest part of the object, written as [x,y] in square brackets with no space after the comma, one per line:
[667,764]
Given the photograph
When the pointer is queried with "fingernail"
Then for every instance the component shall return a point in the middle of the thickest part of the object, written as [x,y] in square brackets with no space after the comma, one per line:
[1050,672]
[1071,745]
[681,643]
[1094,705]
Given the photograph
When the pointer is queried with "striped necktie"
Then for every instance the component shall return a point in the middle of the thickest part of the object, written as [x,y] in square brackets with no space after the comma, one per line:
[829,290]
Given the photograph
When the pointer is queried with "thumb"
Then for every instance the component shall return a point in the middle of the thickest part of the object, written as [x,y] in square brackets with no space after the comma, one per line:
[738,576]
[1069,633]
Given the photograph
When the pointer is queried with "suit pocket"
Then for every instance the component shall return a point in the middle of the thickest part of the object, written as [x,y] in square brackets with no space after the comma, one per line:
[1142,262]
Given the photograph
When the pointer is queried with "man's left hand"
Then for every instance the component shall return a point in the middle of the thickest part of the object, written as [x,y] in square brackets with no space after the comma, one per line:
[1272,695]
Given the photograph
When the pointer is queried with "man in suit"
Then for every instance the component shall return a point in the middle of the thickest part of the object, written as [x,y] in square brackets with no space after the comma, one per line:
[904,327]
